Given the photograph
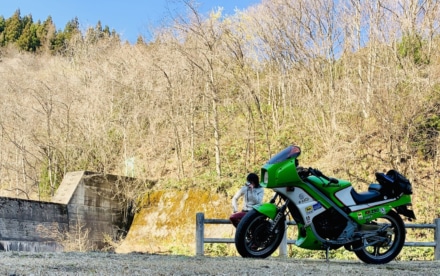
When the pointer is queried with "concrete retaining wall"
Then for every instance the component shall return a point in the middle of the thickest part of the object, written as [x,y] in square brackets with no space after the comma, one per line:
[27,225]
[85,201]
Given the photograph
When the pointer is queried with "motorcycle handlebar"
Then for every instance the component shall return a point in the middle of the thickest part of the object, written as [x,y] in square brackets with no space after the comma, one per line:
[317,172]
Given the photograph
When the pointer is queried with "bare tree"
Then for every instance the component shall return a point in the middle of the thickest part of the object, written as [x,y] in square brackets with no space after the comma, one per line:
[201,48]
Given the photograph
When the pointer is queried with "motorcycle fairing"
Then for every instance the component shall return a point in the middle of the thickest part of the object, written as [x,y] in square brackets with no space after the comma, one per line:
[306,238]
[307,205]
[367,212]
[329,189]
[360,207]
[281,169]
[345,197]
[367,215]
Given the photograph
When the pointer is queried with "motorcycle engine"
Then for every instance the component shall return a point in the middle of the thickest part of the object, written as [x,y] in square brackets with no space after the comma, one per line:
[329,224]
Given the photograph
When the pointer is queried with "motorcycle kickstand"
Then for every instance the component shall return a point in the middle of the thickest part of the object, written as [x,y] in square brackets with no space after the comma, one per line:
[327,249]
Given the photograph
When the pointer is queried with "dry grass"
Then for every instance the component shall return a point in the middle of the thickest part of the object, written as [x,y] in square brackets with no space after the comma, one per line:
[13,263]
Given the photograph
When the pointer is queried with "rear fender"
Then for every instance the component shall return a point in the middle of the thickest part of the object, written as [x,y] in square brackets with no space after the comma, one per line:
[268,209]
[401,205]
[403,210]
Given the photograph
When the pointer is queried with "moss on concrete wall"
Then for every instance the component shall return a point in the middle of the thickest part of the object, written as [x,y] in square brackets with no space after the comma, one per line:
[165,221]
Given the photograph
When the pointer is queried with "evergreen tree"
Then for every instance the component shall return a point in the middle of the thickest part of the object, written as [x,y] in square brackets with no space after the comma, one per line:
[94,34]
[2,31]
[60,39]
[13,27]
[35,41]
[29,40]
[58,43]
[30,36]
[140,40]
[2,24]
[106,31]
[24,40]
[46,32]
[115,34]
[98,27]
[71,28]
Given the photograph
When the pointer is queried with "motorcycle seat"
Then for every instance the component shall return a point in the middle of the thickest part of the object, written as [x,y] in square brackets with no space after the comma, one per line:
[374,187]
[365,197]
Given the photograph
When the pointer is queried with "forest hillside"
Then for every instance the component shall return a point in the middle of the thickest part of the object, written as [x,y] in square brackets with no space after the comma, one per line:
[211,97]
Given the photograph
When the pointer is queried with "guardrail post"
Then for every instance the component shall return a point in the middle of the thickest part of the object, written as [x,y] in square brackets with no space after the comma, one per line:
[200,234]
[437,239]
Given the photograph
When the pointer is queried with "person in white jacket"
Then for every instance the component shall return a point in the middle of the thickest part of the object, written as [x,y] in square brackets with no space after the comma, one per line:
[252,193]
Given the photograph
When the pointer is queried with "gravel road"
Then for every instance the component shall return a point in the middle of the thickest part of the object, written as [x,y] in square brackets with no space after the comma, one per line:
[96,263]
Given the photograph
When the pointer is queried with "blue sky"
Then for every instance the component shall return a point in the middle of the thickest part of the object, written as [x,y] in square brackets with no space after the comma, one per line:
[129,18]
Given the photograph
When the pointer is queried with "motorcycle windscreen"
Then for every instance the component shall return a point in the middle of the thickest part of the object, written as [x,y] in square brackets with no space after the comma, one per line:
[280,170]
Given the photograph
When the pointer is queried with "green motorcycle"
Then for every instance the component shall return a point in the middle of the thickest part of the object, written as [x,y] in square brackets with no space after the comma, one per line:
[328,212]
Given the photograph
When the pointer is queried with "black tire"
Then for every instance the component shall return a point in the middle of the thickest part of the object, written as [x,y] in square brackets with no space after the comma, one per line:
[253,238]
[386,251]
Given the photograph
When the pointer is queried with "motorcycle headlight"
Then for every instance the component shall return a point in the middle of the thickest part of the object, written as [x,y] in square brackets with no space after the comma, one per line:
[266,177]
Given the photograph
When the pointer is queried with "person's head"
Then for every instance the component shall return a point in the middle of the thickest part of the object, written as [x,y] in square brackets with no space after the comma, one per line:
[252,178]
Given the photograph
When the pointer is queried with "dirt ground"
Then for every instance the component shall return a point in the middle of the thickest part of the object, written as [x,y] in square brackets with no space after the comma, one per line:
[95,263]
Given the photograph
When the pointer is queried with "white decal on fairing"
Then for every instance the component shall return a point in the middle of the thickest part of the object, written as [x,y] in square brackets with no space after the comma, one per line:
[345,196]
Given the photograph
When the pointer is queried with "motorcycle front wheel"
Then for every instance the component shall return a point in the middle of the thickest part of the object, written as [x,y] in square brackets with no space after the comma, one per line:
[255,237]
[384,247]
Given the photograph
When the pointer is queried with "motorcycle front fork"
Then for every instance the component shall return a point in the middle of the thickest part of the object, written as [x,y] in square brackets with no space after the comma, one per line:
[281,213]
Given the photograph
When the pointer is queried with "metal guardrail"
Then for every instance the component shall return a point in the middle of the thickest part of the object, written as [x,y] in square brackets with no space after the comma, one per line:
[201,239]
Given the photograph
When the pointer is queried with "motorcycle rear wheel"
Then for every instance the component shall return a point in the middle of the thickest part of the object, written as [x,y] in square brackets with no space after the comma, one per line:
[253,238]
[384,251]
